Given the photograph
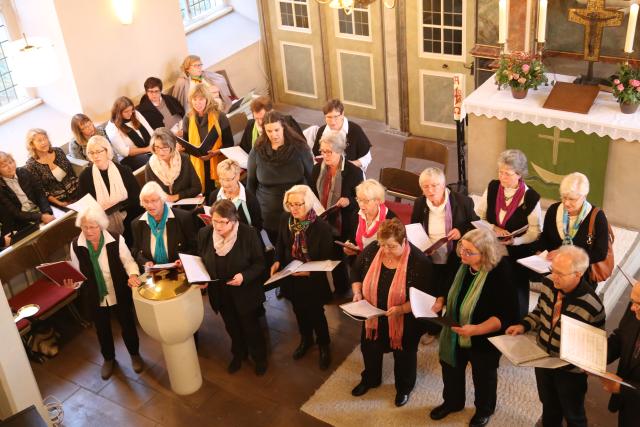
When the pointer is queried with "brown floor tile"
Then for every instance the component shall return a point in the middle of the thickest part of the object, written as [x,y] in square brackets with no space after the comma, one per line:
[171,412]
[78,371]
[86,409]
[51,384]
[127,393]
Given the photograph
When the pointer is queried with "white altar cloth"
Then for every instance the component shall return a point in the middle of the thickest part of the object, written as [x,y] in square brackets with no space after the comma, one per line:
[604,118]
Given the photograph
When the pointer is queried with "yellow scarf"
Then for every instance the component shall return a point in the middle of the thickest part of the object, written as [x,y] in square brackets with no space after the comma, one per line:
[194,139]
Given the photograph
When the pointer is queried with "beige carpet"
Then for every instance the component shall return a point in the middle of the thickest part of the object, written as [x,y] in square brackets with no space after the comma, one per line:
[518,403]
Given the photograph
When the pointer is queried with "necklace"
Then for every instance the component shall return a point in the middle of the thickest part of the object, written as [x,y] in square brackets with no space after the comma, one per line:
[472,271]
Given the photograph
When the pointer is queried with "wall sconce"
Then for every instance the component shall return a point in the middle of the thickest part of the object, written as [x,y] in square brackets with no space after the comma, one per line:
[33,62]
[124,10]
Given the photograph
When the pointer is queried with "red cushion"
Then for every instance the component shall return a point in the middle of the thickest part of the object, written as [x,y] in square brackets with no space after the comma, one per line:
[403,210]
[22,323]
[42,292]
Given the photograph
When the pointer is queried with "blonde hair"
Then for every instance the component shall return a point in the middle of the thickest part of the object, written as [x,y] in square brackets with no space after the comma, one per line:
[31,136]
[575,183]
[229,165]
[491,250]
[100,141]
[188,61]
[201,90]
[305,190]
[371,189]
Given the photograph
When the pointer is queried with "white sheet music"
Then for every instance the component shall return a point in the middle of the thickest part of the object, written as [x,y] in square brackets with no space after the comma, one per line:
[238,154]
[421,303]
[583,345]
[417,236]
[481,223]
[518,348]
[86,201]
[188,201]
[57,213]
[324,265]
[538,263]
[194,268]
[287,271]
[362,309]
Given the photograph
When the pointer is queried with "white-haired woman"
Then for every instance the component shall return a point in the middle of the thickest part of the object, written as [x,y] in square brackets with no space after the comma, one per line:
[509,204]
[170,168]
[483,302]
[370,195]
[161,233]
[112,185]
[305,237]
[567,222]
[105,260]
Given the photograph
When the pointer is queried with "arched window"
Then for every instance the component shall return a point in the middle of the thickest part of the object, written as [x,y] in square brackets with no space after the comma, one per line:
[196,10]
[8,92]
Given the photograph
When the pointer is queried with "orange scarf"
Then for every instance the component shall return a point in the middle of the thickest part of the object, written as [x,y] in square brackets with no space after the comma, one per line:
[397,296]
[194,139]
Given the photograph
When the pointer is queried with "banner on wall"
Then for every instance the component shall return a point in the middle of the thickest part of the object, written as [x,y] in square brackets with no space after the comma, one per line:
[553,153]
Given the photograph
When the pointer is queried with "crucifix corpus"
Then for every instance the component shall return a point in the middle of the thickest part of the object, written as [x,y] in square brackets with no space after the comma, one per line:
[594,18]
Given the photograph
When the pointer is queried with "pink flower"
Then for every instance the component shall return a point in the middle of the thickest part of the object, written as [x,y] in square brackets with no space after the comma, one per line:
[620,87]
[616,82]
[634,82]
[638,88]
[525,68]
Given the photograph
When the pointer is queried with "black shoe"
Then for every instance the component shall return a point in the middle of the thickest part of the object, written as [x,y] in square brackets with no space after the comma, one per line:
[361,389]
[261,368]
[402,399]
[302,349]
[325,357]
[479,420]
[235,365]
[439,412]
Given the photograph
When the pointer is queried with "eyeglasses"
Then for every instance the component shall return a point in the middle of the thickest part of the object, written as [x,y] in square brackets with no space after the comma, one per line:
[154,91]
[95,153]
[466,252]
[295,205]
[363,201]
[197,64]
[570,199]
[390,246]
[227,179]
[333,116]
[326,152]
[502,172]
[165,148]
[223,222]
[556,274]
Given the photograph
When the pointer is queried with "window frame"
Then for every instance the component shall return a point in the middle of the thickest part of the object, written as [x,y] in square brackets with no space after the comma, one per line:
[295,29]
[443,56]
[193,23]
[341,35]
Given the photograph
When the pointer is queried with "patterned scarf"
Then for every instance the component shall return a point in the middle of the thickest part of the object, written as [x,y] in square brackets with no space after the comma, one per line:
[501,203]
[362,230]
[570,232]
[157,229]
[448,338]
[397,296]
[94,254]
[299,249]
[194,139]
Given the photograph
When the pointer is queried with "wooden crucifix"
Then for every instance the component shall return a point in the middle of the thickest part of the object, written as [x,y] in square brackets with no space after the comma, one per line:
[594,18]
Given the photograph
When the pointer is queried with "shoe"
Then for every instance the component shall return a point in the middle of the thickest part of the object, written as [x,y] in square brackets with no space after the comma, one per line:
[235,365]
[107,369]
[325,357]
[401,399]
[361,389]
[439,412]
[302,349]
[137,363]
[479,420]
[261,368]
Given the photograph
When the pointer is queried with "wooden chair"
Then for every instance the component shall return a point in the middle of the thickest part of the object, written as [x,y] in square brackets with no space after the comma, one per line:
[400,183]
[52,241]
[425,149]
[238,122]
[18,262]
[140,176]
[226,77]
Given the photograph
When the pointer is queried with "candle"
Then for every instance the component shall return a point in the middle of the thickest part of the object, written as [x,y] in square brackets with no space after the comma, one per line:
[631,28]
[502,22]
[542,20]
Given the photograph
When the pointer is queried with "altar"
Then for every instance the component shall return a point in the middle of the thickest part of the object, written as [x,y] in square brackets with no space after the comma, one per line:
[603,144]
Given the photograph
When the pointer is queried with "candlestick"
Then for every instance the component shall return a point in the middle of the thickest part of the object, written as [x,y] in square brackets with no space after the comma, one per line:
[542,20]
[502,21]
[631,28]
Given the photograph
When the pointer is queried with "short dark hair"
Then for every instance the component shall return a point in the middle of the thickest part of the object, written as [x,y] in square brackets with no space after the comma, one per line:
[333,104]
[260,103]
[226,209]
[152,82]
[392,229]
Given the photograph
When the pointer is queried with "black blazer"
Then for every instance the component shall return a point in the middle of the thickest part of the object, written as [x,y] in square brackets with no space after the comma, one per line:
[357,142]
[314,289]
[151,113]
[620,345]
[252,205]
[462,214]
[550,238]
[13,215]
[181,237]
[245,141]
[246,258]
[351,177]
[186,185]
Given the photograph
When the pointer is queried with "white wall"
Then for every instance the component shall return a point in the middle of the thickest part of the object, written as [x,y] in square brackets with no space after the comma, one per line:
[246,8]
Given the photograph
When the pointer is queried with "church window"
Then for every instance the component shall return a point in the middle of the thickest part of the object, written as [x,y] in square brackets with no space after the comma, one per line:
[294,14]
[355,24]
[442,24]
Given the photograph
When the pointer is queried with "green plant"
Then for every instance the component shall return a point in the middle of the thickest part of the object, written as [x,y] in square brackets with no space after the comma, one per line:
[626,86]
[520,70]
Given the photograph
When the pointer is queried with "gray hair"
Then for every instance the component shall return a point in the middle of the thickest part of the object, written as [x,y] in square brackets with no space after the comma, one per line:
[433,173]
[151,188]
[372,190]
[516,160]
[578,256]
[94,213]
[229,165]
[491,250]
[305,190]
[99,141]
[336,141]
[165,136]
[574,183]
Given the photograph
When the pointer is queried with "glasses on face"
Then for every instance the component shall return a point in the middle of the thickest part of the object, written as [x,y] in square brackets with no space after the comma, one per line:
[333,116]
[163,148]
[228,180]
[506,173]
[362,201]
[570,199]
[389,246]
[326,152]
[557,274]
[95,153]
[154,91]
[466,252]
[222,222]
[295,205]
[197,65]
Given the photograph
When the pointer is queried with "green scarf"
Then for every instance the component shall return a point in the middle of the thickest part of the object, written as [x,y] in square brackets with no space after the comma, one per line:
[254,133]
[448,338]
[97,271]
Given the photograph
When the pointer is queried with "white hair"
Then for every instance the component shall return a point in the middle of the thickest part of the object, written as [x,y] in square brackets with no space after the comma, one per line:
[151,188]
[575,183]
[577,255]
[310,199]
[336,141]
[433,173]
[93,213]
[99,141]
[372,190]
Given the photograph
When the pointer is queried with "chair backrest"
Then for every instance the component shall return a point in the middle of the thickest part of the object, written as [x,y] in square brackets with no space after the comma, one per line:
[16,261]
[237,123]
[426,149]
[53,243]
[400,183]
[226,77]
[140,176]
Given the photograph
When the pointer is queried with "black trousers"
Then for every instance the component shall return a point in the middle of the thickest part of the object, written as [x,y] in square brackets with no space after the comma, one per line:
[562,395]
[340,274]
[245,332]
[405,362]
[311,319]
[521,282]
[484,371]
[102,321]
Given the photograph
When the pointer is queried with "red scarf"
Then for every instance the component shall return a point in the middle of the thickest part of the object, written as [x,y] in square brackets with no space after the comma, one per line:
[397,296]
[362,225]
[501,204]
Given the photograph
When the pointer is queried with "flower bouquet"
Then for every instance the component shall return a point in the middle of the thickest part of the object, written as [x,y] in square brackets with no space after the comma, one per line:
[520,71]
[626,88]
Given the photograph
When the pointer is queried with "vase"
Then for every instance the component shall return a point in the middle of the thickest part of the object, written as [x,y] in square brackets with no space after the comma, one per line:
[519,93]
[629,107]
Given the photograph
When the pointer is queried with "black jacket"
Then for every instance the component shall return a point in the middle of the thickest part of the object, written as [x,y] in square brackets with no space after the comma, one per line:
[153,115]
[620,345]
[252,206]
[246,258]
[13,216]
[357,142]
[462,214]
[246,143]
[186,185]
[181,237]
[351,177]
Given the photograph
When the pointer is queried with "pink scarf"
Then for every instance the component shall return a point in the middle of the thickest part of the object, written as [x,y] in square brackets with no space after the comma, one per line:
[501,204]
[397,296]
[362,226]
[223,245]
